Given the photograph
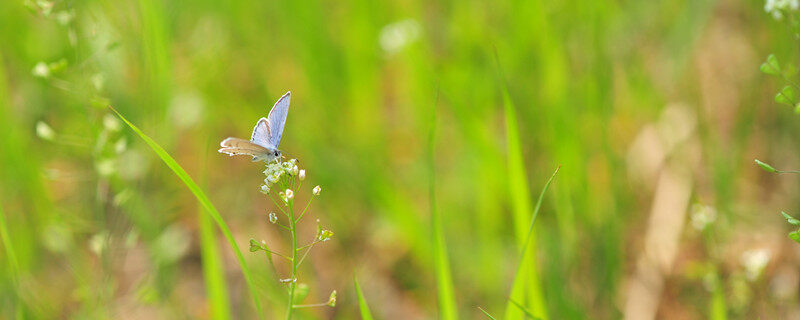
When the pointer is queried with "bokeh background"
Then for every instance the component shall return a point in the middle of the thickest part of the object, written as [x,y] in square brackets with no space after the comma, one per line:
[654,109]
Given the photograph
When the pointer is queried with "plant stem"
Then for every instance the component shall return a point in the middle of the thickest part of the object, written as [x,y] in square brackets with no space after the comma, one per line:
[323,304]
[292,281]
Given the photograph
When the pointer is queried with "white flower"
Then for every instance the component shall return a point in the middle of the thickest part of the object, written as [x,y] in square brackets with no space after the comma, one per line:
[41,70]
[289,194]
[120,145]
[325,235]
[776,7]
[754,262]
[702,216]
[273,218]
[105,167]
[264,189]
[302,175]
[316,190]
[396,36]
[44,131]
[111,122]
[294,170]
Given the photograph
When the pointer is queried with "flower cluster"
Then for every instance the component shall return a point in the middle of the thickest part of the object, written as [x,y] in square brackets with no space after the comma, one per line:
[777,7]
[286,178]
[277,170]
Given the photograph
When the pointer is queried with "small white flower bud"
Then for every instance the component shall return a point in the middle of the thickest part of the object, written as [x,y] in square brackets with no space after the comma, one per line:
[41,70]
[332,299]
[294,170]
[325,235]
[316,190]
[302,174]
[273,218]
[111,122]
[264,189]
[121,145]
[289,194]
[44,131]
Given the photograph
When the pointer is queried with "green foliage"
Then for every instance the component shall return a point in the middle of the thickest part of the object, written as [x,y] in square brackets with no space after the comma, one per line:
[526,286]
[786,96]
[771,66]
[362,302]
[486,313]
[765,166]
[518,283]
[584,84]
[204,202]
[790,219]
[448,308]
[794,235]
[213,270]
[522,308]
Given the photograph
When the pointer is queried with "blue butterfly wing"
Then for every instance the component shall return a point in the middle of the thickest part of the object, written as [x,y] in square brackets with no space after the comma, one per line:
[261,133]
[276,120]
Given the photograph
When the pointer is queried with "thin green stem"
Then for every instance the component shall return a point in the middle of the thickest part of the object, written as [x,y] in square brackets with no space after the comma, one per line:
[277,204]
[305,255]
[486,313]
[305,209]
[308,245]
[292,283]
[281,225]
[785,78]
[277,254]
[269,259]
[324,304]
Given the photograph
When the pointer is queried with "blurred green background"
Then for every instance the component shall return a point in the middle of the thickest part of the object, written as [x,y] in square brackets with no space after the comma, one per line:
[654,109]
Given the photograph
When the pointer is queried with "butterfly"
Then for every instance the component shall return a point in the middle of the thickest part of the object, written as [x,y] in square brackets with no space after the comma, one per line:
[263,144]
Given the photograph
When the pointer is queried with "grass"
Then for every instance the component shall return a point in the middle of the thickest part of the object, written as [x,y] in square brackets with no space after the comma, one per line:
[448,308]
[13,264]
[526,286]
[439,233]
[205,203]
[362,302]
[518,284]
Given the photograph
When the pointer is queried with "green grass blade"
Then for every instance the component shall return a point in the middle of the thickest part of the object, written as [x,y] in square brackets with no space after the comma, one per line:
[205,202]
[213,270]
[362,303]
[8,247]
[519,280]
[523,309]
[13,263]
[526,286]
[717,306]
[486,313]
[213,273]
[444,283]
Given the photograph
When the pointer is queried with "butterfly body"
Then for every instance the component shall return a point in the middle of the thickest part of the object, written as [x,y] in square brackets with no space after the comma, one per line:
[263,143]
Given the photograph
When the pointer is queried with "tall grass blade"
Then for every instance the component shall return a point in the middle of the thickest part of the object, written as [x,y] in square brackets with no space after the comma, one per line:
[523,309]
[362,303]
[11,254]
[448,309]
[526,286]
[205,202]
[519,281]
[213,273]
[718,309]
[213,270]
[486,313]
